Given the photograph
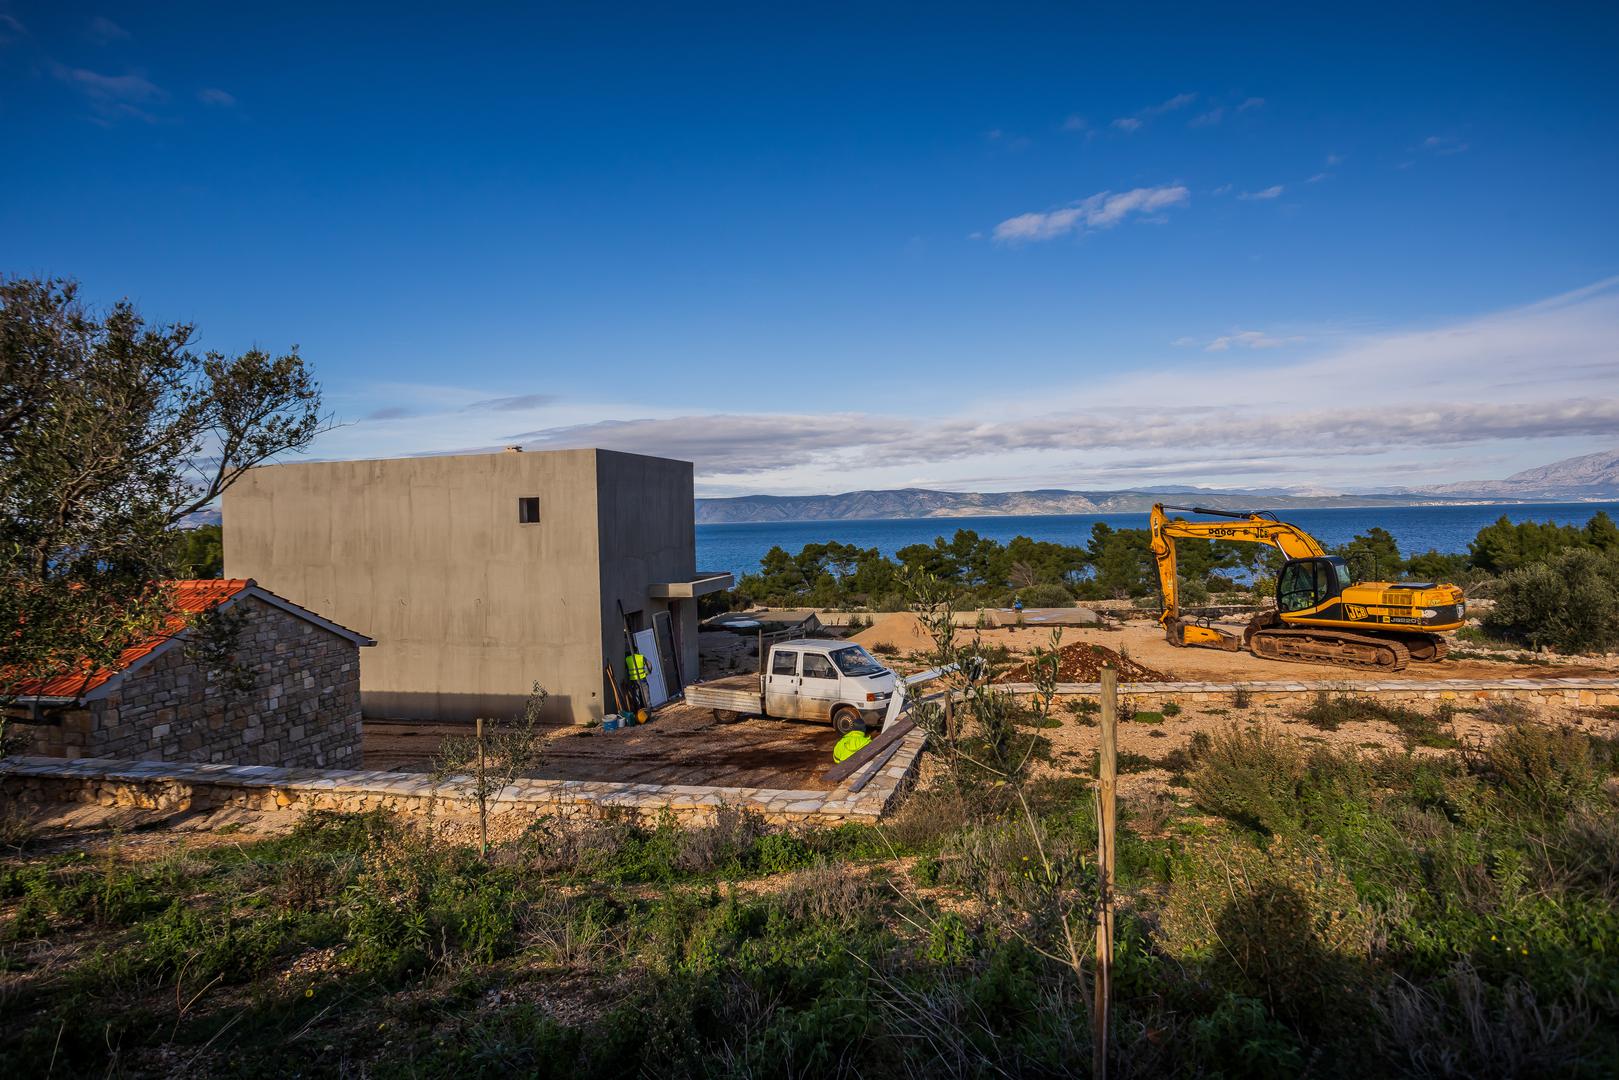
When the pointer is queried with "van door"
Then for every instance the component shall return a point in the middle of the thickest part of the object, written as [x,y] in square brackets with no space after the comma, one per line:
[781,685]
[819,688]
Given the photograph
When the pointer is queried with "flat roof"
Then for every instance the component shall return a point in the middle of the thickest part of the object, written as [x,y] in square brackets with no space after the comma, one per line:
[706,581]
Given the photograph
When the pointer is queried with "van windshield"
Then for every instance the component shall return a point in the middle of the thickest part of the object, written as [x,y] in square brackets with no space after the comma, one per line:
[856,661]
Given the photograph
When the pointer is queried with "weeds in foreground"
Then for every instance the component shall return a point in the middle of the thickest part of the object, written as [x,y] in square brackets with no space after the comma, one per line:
[1329,712]
[1335,913]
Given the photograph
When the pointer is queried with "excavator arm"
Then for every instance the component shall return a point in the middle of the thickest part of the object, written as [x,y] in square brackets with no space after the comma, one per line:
[1241,528]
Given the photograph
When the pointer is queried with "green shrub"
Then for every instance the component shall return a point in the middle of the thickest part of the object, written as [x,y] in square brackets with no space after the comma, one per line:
[1568,603]
[1281,924]
[1542,771]
[1044,596]
[1504,711]
[1329,712]
[1250,776]
[1241,1038]
[184,942]
[781,852]
[416,904]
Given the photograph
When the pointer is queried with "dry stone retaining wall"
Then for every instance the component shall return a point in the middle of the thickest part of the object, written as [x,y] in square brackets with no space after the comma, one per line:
[33,782]
[1539,694]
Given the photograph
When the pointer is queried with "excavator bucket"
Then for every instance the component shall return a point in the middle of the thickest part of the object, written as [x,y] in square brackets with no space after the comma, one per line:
[1207,637]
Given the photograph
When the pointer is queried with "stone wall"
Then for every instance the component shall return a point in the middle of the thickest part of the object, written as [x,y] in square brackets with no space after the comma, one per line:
[303,708]
[1544,696]
[30,784]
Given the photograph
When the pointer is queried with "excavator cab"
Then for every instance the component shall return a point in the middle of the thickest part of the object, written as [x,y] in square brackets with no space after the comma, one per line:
[1307,584]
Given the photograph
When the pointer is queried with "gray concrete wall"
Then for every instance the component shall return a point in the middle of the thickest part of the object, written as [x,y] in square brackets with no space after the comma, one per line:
[646,516]
[468,606]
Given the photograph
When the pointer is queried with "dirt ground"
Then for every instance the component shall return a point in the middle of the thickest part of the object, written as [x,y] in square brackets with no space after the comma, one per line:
[1143,642]
[683,745]
[680,745]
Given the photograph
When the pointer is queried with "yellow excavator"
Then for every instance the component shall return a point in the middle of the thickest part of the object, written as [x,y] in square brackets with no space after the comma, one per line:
[1322,614]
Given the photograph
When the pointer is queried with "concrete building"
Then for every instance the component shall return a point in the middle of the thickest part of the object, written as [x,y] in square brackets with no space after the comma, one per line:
[480,575]
[267,683]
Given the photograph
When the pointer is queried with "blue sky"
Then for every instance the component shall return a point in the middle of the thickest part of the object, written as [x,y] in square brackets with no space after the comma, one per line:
[862,246]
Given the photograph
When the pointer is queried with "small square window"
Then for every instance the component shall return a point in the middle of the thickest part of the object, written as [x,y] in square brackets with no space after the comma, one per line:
[528,510]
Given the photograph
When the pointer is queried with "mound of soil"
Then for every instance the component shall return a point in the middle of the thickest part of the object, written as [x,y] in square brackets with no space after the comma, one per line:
[1082,662]
[901,629]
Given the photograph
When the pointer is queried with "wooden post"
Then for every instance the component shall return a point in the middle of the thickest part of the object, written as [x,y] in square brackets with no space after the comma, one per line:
[483,796]
[1106,821]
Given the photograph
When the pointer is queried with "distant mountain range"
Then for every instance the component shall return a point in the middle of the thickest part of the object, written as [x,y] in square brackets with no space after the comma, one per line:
[1592,478]
[923,503]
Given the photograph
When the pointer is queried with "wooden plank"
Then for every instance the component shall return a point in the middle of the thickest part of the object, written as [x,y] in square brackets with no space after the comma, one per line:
[843,769]
[876,767]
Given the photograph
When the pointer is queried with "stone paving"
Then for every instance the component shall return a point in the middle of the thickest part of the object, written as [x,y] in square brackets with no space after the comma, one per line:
[165,785]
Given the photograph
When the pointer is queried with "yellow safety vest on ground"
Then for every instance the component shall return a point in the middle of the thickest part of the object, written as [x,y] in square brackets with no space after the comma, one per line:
[635,664]
[850,745]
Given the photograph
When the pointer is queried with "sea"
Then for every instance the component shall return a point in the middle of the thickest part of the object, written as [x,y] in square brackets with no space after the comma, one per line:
[739,547]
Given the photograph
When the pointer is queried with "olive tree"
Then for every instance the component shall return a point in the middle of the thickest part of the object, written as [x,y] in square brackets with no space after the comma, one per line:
[112,431]
[1569,603]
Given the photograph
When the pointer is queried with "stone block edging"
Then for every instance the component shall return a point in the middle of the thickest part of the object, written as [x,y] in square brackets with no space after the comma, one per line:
[1567,692]
[168,785]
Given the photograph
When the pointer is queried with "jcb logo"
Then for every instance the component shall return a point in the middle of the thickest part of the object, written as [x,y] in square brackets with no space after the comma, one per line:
[1355,611]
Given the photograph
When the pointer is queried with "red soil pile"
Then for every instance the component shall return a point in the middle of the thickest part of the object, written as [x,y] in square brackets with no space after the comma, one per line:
[1082,662]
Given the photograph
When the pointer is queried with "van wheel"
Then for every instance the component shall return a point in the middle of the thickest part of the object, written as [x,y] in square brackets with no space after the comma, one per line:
[846,720]
[726,716]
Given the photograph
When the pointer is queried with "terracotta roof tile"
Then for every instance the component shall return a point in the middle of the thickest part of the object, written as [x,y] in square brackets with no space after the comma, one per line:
[190,598]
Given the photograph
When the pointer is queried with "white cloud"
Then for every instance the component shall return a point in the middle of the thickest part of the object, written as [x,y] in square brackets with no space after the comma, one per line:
[1246,339]
[1525,385]
[520,403]
[1251,103]
[1443,144]
[1335,159]
[1264,193]
[1103,210]
[1008,140]
[743,443]
[214,96]
[11,29]
[110,87]
[1135,121]
[1223,189]
[1076,123]
[1179,101]
[1318,177]
[1208,119]
[113,96]
[104,31]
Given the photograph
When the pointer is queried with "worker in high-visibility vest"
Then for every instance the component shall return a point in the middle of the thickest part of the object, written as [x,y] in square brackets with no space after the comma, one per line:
[635,668]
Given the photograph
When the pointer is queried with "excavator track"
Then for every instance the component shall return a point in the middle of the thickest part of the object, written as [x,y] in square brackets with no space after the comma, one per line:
[1330,647]
[1426,648]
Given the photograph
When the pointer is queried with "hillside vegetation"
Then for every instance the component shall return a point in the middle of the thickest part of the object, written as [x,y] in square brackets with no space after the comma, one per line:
[1293,911]
[1554,586]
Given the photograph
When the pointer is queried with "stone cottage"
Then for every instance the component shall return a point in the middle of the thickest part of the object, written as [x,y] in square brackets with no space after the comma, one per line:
[238,675]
